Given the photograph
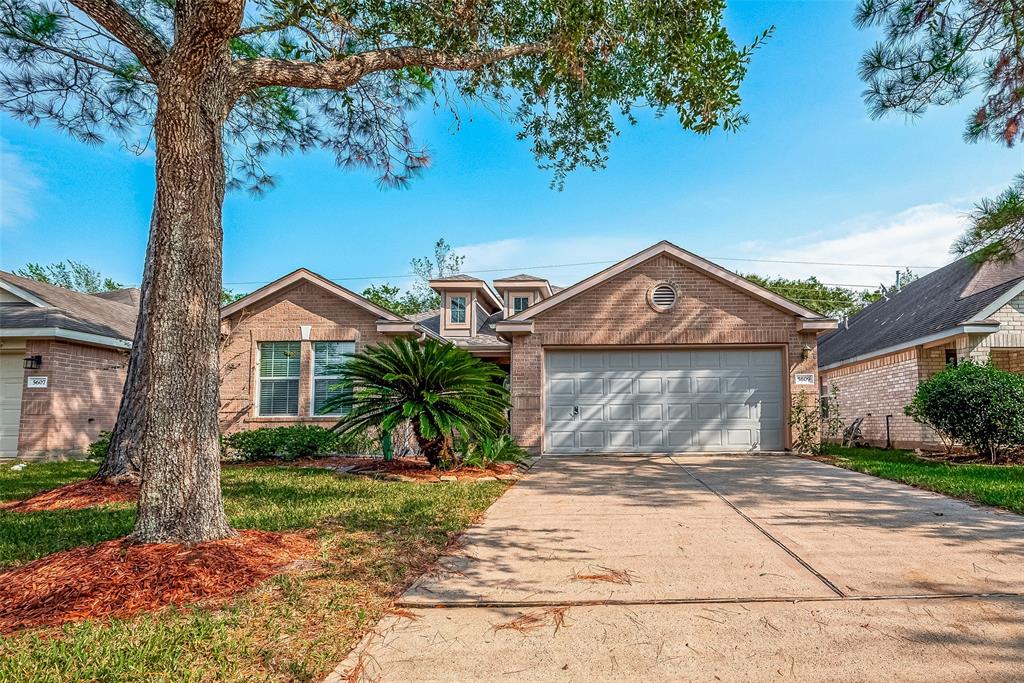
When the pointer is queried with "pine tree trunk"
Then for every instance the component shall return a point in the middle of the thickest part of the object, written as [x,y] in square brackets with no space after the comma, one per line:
[171,420]
[122,462]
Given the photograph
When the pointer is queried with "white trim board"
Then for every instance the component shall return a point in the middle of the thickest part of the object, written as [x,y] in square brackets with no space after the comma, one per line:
[990,310]
[977,328]
[61,333]
[24,294]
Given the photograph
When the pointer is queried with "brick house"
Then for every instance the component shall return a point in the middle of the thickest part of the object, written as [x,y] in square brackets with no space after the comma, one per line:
[63,357]
[664,351]
[878,357]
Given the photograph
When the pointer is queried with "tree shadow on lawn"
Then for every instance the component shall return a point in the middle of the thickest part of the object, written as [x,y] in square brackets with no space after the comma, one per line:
[271,499]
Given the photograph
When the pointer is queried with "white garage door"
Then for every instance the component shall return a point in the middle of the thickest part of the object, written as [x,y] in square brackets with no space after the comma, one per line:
[12,375]
[663,401]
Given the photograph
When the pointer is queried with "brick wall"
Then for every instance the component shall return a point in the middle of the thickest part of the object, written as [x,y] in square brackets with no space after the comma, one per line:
[616,313]
[278,318]
[882,386]
[80,400]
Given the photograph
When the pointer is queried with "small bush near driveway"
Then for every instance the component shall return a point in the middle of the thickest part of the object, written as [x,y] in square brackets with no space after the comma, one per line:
[979,406]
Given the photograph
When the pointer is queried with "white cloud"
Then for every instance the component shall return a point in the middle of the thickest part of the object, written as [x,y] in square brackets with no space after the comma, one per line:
[19,187]
[916,237]
[535,255]
[919,236]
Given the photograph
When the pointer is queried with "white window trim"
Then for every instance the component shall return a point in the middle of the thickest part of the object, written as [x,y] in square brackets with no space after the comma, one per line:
[529,302]
[313,377]
[260,378]
[448,309]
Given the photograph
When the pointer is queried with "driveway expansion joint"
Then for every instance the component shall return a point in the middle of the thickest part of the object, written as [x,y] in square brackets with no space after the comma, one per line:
[803,563]
[512,604]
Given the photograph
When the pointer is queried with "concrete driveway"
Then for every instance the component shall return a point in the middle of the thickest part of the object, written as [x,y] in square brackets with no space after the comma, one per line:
[713,568]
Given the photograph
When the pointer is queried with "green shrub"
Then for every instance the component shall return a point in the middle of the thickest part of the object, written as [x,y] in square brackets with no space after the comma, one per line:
[306,441]
[491,449]
[254,444]
[100,447]
[979,406]
[288,443]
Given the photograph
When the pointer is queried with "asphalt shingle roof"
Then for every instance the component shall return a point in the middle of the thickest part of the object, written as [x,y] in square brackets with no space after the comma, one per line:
[939,301]
[75,311]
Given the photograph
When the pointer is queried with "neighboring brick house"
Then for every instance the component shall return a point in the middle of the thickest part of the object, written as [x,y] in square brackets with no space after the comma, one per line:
[63,357]
[661,352]
[878,357]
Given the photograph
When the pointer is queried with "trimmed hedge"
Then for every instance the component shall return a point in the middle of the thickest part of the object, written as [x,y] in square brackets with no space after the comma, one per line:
[287,443]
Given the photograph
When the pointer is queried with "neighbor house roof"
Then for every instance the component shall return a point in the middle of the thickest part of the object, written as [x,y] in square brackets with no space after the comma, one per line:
[50,311]
[964,293]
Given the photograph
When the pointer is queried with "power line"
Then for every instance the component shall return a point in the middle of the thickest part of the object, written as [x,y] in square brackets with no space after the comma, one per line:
[599,263]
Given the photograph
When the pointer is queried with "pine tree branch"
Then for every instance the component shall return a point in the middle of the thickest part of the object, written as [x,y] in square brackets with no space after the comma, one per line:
[127,29]
[338,74]
[82,58]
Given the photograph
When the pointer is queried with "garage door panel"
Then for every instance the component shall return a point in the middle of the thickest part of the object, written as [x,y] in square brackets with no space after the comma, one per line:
[651,412]
[738,411]
[562,387]
[649,385]
[630,400]
[651,439]
[561,439]
[620,438]
[677,360]
[707,359]
[679,411]
[620,412]
[678,385]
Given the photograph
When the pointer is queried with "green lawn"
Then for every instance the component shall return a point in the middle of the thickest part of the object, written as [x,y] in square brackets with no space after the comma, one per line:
[996,485]
[374,536]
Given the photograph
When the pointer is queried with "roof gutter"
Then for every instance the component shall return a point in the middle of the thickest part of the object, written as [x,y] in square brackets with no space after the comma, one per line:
[71,335]
[971,328]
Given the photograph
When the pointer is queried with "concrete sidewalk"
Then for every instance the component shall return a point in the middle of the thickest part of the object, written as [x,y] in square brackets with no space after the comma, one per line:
[735,567]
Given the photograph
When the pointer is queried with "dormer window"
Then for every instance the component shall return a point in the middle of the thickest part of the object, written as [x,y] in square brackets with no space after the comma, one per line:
[458,309]
[520,303]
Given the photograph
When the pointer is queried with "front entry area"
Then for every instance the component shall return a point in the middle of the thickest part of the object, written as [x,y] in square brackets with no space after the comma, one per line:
[663,401]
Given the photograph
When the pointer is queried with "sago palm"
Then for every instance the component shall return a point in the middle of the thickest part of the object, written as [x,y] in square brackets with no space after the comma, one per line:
[438,387]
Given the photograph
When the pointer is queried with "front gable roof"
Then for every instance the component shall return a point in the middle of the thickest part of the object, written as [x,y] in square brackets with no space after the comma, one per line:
[690,259]
[303,275]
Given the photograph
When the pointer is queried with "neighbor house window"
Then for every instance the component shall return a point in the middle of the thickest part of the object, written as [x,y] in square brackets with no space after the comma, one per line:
[950,356]
[458,308]
[327,356]
[520,303]
[279,378]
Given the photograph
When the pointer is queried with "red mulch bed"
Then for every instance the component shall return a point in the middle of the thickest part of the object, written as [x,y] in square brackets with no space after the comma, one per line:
[415,468]
[113,579]
[76,496]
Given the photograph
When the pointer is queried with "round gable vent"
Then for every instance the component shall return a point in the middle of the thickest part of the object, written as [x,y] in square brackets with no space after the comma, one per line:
[663,297]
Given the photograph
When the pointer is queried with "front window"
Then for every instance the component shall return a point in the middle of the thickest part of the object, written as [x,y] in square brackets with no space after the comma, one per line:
[520,303]
[279,378]
[458,309]
[327,356]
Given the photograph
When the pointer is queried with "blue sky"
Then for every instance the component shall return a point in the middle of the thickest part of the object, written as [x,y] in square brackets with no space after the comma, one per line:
[811,178]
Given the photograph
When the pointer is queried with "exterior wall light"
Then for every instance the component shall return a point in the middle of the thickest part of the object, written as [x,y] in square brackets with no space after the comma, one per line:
[805,352]
[33,362]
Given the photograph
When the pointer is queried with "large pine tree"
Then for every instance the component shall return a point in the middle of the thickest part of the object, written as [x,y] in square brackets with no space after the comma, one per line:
[217,85]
